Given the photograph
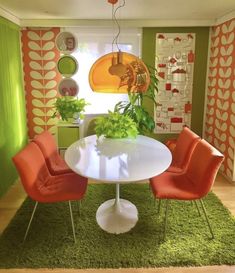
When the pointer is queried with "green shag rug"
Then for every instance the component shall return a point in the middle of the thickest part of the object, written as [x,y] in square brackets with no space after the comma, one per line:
[50,241]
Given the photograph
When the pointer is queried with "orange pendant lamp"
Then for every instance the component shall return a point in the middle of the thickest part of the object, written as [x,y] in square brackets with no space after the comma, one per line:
[119,72]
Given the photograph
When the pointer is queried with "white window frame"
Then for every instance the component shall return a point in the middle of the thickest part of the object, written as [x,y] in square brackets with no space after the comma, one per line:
[101,102]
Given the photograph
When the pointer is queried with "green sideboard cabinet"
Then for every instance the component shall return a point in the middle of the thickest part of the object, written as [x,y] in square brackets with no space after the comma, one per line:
[67,133]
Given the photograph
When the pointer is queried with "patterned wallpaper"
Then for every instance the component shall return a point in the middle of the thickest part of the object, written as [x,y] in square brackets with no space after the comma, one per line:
[41,77]
[220,109]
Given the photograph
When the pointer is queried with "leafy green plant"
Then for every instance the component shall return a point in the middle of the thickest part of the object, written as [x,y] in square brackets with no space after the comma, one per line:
[115,125]
[134,108]
[69,107]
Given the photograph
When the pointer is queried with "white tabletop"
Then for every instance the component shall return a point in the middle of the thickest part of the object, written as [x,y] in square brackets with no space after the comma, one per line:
[118,160]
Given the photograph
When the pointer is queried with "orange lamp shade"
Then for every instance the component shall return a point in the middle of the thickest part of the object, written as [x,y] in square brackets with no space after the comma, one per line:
[119,72]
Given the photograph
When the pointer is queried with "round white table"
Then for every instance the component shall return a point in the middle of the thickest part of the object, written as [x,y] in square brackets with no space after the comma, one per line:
[118,161]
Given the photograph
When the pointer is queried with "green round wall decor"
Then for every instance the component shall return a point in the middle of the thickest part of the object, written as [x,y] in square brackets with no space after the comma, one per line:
[67,66]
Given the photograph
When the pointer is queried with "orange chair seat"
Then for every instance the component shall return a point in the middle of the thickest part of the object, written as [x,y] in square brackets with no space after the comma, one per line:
[173,186]
[61,188]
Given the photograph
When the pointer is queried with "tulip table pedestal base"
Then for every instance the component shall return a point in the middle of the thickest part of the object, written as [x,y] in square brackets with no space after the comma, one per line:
[117,215]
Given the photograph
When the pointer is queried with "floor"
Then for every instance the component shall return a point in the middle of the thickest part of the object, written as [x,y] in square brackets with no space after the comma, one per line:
[16,195]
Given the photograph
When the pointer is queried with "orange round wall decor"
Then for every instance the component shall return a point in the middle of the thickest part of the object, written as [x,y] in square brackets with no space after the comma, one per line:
[119,72]
[68,87]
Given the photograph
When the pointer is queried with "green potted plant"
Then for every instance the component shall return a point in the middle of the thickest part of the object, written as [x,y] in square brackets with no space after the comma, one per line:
[115,125]
[135,109]
[69,107]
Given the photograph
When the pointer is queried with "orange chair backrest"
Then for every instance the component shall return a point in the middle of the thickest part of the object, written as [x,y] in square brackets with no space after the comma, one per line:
[47,144]
[203,166]
[32,169]
[185,144]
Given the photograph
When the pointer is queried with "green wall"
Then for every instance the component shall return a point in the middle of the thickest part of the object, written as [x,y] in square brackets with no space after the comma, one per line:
[200,69]
[13,131]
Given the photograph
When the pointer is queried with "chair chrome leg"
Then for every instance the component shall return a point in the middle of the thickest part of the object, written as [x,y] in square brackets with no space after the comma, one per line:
[195,202]
[72,222]
[29,224]
[208,223]
[166,213]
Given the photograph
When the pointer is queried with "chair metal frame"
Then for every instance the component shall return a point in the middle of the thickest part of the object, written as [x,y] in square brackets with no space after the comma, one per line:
[195,202]
[71,217]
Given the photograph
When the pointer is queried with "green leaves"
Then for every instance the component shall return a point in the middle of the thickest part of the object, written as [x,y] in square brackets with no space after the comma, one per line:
[69,107]
[135,109]
[145,122]
[116,125]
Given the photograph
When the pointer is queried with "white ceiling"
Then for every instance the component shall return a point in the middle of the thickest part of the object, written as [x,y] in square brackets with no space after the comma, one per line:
[133,9]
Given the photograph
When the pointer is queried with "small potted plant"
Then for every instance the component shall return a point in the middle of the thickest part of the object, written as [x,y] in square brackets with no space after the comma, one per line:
[69,108]
[115,125]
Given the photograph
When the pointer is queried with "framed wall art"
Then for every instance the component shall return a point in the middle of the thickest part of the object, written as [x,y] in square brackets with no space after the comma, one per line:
[174,61]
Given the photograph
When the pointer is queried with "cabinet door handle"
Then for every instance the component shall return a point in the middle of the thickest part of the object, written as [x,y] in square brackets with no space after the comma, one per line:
[71,127]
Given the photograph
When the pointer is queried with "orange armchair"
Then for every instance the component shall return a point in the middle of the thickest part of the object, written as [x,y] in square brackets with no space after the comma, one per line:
[182,149]
[48,147]
[171,144]
[194,183]
[41,186]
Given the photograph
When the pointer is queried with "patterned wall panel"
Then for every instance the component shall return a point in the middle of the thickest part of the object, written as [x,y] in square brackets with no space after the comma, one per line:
[220,110]
[41,77]
[174,61]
